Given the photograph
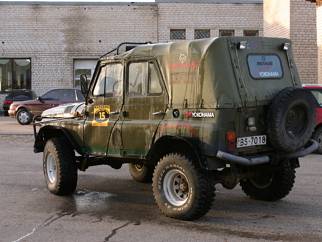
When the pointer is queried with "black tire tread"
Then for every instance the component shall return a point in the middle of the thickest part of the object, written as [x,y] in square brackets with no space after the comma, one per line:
[274,115]
[67,167]
[281,188]
[206,194]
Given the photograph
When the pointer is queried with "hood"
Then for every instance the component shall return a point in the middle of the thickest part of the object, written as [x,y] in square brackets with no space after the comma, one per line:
[64,111]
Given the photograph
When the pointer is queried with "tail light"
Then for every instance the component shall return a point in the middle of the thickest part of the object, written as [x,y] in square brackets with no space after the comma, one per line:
[231,140]
[7,102]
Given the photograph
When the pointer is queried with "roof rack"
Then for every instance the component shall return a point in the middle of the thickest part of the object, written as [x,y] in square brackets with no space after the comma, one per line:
[125,43]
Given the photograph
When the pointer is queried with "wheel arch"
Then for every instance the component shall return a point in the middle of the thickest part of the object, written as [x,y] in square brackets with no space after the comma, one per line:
[168,143]
[22,107]
[50,131]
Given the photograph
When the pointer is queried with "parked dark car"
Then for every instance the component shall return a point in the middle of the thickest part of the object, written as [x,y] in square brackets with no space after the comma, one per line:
[24,111]
[316,90]
[17,95]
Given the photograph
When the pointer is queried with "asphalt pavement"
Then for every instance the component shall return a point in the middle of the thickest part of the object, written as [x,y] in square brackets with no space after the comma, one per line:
[9,126]
[108,205]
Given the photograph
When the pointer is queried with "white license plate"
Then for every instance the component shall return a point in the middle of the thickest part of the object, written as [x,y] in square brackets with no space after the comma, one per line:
[251,140]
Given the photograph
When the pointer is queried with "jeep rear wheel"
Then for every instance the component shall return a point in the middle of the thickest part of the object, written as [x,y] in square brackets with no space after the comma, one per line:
[270,186]
[181,189]
[291,119]
[141,173]
[59,166]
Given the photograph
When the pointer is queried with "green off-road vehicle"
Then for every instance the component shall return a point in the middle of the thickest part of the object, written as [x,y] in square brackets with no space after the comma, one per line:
[186,116]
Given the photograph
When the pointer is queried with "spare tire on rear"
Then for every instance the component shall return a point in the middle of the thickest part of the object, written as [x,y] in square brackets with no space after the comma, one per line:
[290,119]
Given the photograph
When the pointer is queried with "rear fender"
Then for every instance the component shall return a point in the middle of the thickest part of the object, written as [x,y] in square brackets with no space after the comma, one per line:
[167,144]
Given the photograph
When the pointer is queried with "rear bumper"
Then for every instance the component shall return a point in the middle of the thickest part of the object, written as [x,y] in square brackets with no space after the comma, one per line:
[12,113]
[313,145]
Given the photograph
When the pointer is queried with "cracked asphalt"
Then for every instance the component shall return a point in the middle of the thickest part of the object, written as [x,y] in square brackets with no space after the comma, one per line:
[109,206]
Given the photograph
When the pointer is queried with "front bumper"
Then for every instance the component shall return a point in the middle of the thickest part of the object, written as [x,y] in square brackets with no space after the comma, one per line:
[313,145]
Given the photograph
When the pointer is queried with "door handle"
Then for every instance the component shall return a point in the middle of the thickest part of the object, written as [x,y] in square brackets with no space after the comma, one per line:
[159,113]
[115,112]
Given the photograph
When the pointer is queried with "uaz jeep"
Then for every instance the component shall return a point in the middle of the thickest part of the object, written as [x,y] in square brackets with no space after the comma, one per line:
[187,116]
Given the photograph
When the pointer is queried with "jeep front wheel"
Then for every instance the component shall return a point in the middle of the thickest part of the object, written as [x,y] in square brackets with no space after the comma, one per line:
[181,189]
[270,185]
[141,173]
[59,166]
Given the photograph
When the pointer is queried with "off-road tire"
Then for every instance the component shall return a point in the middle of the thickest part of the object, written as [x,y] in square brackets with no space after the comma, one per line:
[317,136]
[290,119]
[270,186]
[141,173]
[60,169]
[23,117]
[182,190]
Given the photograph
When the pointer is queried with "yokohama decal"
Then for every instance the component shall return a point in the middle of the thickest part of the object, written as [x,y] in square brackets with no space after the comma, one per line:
[200,114]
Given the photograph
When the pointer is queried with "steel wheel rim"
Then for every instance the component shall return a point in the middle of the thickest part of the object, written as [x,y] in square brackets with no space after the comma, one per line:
[138,167]
[51,168]
[264,181]
[176,187]
[296,121]
[23,117]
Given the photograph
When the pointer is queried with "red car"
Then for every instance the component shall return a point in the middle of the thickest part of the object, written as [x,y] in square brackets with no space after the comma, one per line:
[316,90]
[24,111]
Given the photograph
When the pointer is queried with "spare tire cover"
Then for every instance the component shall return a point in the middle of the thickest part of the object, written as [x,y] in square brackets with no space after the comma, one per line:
[291,119]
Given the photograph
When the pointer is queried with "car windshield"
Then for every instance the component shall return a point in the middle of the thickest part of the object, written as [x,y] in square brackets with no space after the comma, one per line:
[51,95]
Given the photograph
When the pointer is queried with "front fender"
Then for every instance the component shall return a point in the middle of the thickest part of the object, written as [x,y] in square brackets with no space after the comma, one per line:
[51,131]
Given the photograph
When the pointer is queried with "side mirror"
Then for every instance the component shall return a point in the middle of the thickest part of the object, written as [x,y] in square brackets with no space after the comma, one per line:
[38,98]
[84,87]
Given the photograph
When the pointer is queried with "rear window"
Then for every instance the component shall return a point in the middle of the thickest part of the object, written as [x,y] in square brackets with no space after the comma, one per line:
[264,66]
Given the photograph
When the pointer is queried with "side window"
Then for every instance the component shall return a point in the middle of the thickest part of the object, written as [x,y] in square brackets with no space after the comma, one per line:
[144,79]
[109,82]
[51,95]
[67,95]
[138,74]
[154,80]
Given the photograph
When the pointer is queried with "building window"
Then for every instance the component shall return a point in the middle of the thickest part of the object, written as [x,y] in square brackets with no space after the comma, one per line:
[177,34]
[251,32]
[15,74]
[83,67]
[226,33]
[202,33]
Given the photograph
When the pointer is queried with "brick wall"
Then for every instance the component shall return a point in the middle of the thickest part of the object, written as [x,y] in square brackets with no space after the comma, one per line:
[295,19]
[53,35]
[319,40]
[191,16]
[277,18]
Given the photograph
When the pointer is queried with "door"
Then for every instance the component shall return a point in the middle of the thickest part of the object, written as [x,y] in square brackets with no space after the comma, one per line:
[144,107]
[103,111]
